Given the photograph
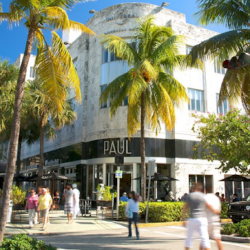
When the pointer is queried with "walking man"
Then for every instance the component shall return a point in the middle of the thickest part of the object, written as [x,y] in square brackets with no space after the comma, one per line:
[69,203]
[44,203]
[197,204]
[76,209]
[214,225]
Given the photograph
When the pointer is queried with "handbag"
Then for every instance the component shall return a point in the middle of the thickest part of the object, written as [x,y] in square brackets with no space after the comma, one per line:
[129,213]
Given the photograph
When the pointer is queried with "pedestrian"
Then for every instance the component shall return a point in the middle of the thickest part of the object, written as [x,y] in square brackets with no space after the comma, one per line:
[44,203]
[56,200]
[222,198]
[235,198]
[76,208]
[51,204]
[170,196]
[31,206]
[69,203]
[124,197]
[132,210]
[214,225]
[196,203]
[217,194]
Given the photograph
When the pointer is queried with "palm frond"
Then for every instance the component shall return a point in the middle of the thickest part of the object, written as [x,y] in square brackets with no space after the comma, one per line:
[65,4]
[221,46]
[232,13]
[121,48]
[185,62]
[133,121]
[56,18]
[174,88]
[245,92]
[80,26]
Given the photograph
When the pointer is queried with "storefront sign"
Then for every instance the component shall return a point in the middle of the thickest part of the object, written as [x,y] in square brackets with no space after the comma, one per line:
[118,174]
[52,162]
[116,147]
[121,16]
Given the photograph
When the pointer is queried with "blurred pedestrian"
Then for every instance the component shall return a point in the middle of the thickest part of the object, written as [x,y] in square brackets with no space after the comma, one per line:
[132,210]
[69,203]
[170,196]
[44,203]
[222,198]
[196,203]
[214,225]
[39,192]
[124,197]
[76,205]
[235,198]
[31,206]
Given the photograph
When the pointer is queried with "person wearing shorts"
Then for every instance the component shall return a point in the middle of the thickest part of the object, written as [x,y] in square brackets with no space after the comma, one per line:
[70,202]
[44,203]
[214,225]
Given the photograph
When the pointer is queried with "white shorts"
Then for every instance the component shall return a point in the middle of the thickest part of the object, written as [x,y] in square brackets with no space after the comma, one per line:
[199,225]
[214,230]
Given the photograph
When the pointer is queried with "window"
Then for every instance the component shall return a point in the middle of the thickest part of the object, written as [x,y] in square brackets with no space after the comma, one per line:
[196,100]
[218,68]
[32,73]
[104,104]
[224,108]
[188,49]
[75,63]
[105,56]
[205,180]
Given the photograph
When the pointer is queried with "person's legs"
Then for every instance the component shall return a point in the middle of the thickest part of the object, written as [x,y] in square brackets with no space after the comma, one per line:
[129,227]
[68,215]
[136,228]
[203,231]
[219,244]
[35,217]
[191,227]
[31,217]
[46,211]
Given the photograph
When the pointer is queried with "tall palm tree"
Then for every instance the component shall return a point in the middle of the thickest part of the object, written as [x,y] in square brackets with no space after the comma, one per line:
[234,14]
[53,64]
[45,111]
[149,85]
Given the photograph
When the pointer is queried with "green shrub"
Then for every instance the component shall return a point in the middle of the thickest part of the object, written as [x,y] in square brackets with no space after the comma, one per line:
[228,229]
[243,228]
[224,208]
[158,211]
[24,242]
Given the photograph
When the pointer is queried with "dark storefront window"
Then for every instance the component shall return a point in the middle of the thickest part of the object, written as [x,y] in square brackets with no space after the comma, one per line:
[205,180]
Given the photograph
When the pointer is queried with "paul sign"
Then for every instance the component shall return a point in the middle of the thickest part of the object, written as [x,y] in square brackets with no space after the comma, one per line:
[116,147]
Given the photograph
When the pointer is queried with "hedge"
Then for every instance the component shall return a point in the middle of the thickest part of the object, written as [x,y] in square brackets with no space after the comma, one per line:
[24,242]
[241,228]
[163,211]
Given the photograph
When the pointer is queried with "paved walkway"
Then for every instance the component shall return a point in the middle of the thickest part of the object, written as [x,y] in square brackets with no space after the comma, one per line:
[58,225]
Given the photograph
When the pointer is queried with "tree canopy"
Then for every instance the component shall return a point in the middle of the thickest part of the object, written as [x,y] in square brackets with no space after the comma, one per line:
[234,14]
[230,134]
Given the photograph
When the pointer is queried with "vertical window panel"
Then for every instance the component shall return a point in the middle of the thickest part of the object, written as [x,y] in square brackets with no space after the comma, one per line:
[196,99]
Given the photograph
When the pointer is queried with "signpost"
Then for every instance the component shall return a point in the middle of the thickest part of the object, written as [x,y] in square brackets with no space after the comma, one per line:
[118,175]
[151,169]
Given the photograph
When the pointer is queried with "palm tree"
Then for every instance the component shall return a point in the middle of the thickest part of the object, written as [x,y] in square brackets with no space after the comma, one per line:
[45,111]
[149,85]
[53,64]
[234,14]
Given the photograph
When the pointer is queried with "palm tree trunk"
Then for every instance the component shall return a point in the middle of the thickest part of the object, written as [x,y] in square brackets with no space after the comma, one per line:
[10,169]
[18,162]
[143,166]
[41,160]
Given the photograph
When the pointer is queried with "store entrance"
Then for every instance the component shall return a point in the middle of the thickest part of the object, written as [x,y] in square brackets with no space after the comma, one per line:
[125,183]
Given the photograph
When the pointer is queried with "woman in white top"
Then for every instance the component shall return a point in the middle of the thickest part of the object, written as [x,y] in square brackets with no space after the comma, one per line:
[132,210]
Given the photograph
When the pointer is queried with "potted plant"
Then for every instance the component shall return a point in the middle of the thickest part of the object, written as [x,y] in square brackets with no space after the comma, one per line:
[104,196]
[18,198]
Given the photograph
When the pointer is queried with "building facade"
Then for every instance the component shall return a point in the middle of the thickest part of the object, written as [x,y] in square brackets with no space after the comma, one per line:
[86,150]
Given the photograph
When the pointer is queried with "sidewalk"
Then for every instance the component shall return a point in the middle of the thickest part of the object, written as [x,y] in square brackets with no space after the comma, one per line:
[59,225]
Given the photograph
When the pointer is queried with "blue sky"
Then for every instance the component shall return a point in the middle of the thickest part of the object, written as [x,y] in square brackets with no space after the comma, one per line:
[12,40]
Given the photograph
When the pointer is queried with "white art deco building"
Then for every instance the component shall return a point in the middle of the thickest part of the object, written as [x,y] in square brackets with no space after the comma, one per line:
[86,149]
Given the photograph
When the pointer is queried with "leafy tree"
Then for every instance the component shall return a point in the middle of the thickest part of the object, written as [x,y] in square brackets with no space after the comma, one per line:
[45,111]
[53,64]
[224,138]
[149,85]
[234,14]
